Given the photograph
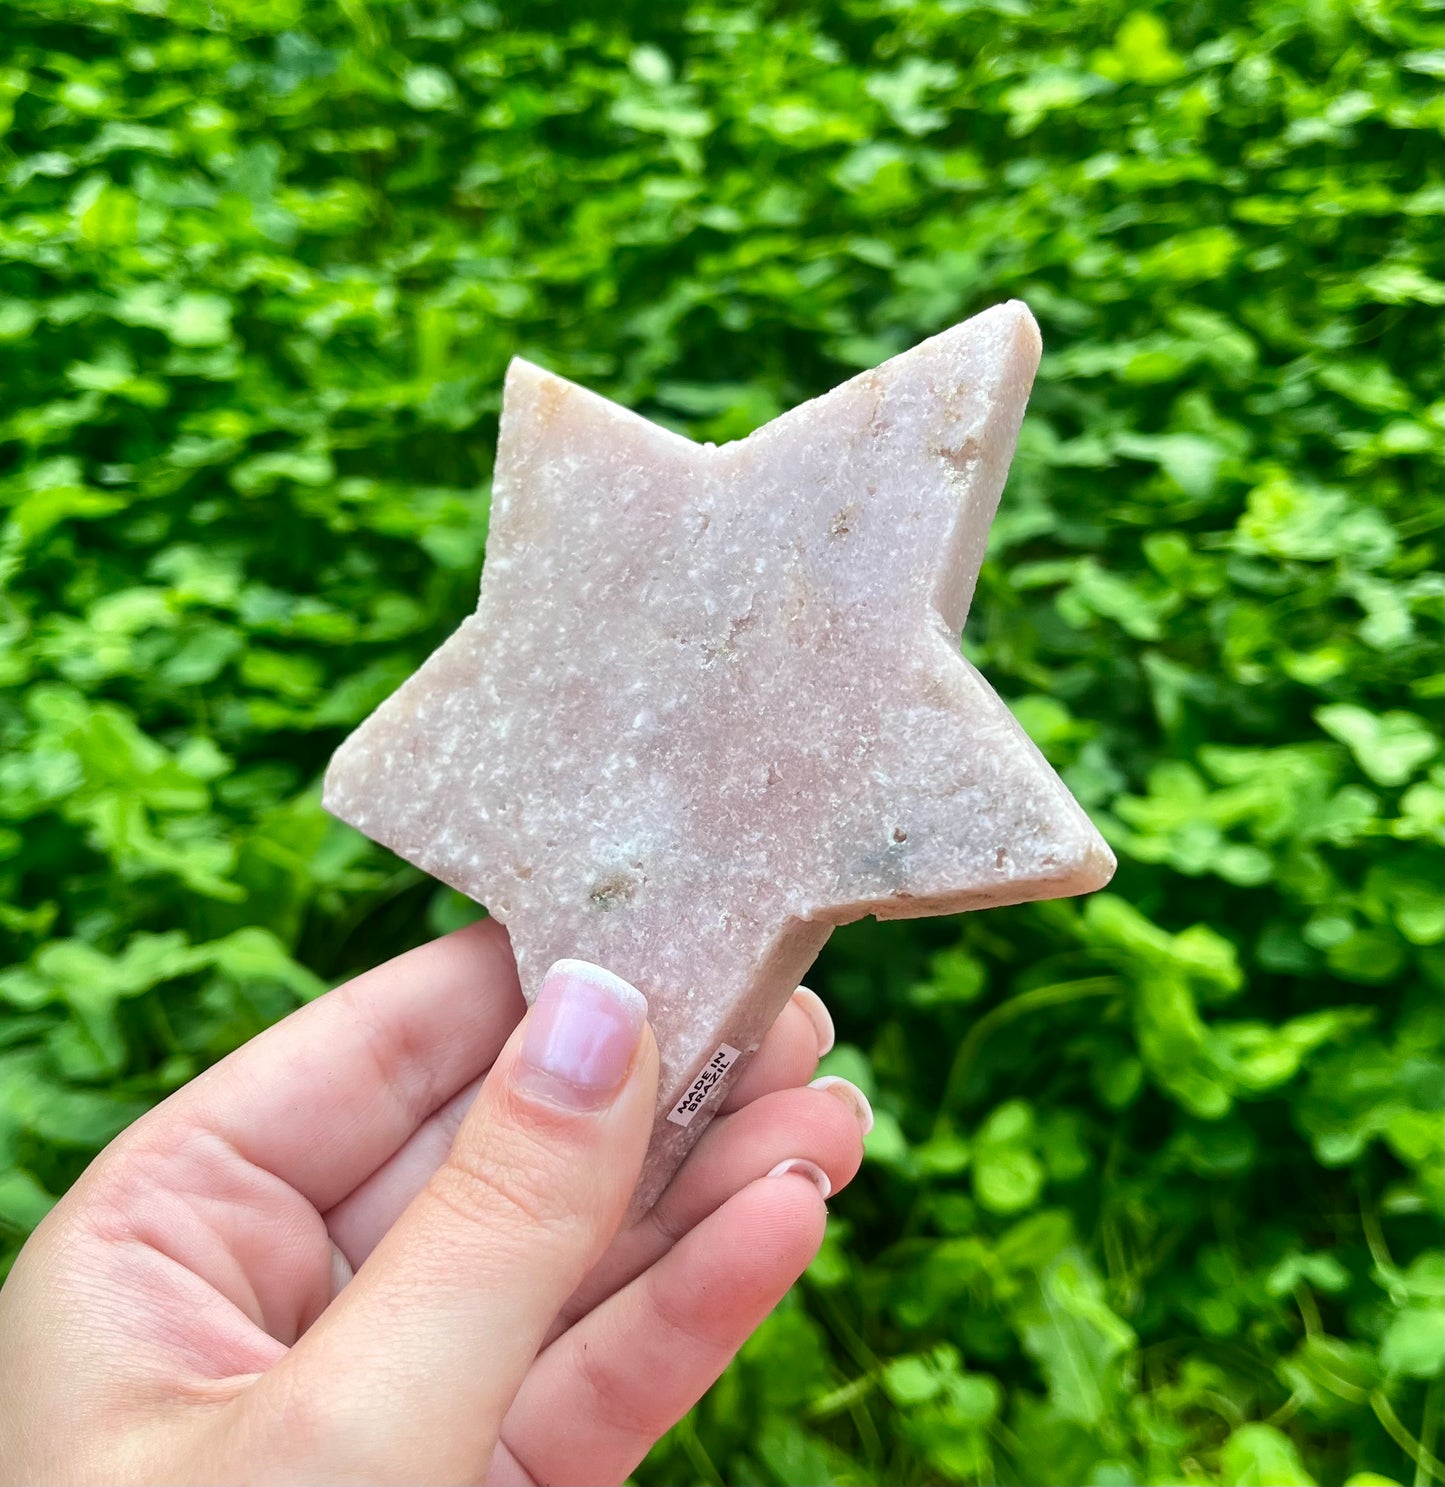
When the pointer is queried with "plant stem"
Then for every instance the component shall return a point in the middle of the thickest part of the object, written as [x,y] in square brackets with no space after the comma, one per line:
[1057,995]
[1425,1461]
[1429,1428]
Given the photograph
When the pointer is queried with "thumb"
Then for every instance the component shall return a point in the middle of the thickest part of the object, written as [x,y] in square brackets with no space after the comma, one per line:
[410,1371]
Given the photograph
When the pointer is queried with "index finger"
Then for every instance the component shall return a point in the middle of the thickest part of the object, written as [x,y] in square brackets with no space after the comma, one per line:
[325,1096]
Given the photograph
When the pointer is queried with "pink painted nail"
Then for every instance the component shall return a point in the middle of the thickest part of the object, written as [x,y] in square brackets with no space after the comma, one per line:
[851,1096]
[804,1168]
[581,1035]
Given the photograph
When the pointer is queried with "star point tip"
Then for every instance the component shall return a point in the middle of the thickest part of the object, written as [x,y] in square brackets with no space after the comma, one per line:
[519,368]
[1088,863]
[1028,326]
[1016,314]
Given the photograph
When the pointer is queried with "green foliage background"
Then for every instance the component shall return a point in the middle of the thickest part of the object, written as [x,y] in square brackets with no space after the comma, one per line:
[1155,1193]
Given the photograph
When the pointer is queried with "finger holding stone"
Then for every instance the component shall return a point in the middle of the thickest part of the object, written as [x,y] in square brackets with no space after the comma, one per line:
[807,1125]
[634,1366]
[357,1223]
[802,1034]
[740,1147]
[332,1092]
[787,1059]
[409,1373]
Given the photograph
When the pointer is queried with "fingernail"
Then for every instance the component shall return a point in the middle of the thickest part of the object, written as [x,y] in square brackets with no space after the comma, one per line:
[851,1096]
[817,1014]
[804,1168]
[581,1034]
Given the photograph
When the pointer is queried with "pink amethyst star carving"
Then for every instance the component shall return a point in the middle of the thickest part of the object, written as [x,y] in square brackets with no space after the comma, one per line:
[711,703]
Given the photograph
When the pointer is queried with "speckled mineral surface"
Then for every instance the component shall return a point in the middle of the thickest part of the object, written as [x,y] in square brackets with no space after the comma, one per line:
[711,703]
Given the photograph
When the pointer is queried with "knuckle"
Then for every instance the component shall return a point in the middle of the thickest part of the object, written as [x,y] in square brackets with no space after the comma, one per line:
[296,1420]
[617,1403]
[684,1316]
[515,1183]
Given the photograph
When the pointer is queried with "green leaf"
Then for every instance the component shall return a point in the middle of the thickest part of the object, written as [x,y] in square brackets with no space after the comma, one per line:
[1414,1342]
[23,1202]
[1079,1343]
[1261,1456]
[1007,1179]
[910,1381]
[261,275]
[428,88]
[1389,747]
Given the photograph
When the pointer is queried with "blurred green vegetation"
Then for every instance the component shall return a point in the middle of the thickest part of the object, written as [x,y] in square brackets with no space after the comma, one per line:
[1156,1189]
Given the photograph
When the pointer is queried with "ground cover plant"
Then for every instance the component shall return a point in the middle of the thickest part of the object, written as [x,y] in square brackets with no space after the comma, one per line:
[1155,1193]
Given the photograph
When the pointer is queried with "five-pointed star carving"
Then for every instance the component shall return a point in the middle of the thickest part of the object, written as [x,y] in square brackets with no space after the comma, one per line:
[712,703]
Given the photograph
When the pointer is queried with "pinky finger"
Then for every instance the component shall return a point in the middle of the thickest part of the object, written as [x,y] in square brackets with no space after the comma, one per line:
[628,1371]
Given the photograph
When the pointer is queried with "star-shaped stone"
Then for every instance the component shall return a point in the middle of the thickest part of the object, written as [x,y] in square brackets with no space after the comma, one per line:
[711,703]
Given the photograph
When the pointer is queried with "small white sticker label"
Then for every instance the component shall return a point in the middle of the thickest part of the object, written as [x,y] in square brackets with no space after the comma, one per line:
[706,1082]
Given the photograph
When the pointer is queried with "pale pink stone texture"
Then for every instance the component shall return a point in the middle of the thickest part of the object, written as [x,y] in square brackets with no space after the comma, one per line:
[711,703]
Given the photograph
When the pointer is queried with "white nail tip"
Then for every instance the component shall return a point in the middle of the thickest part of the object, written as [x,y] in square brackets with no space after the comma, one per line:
[816,1011]
[804,1168]
[583,970]
[845,1089]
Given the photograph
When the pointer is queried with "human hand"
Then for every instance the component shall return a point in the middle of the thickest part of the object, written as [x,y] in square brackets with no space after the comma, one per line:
[380,1243]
